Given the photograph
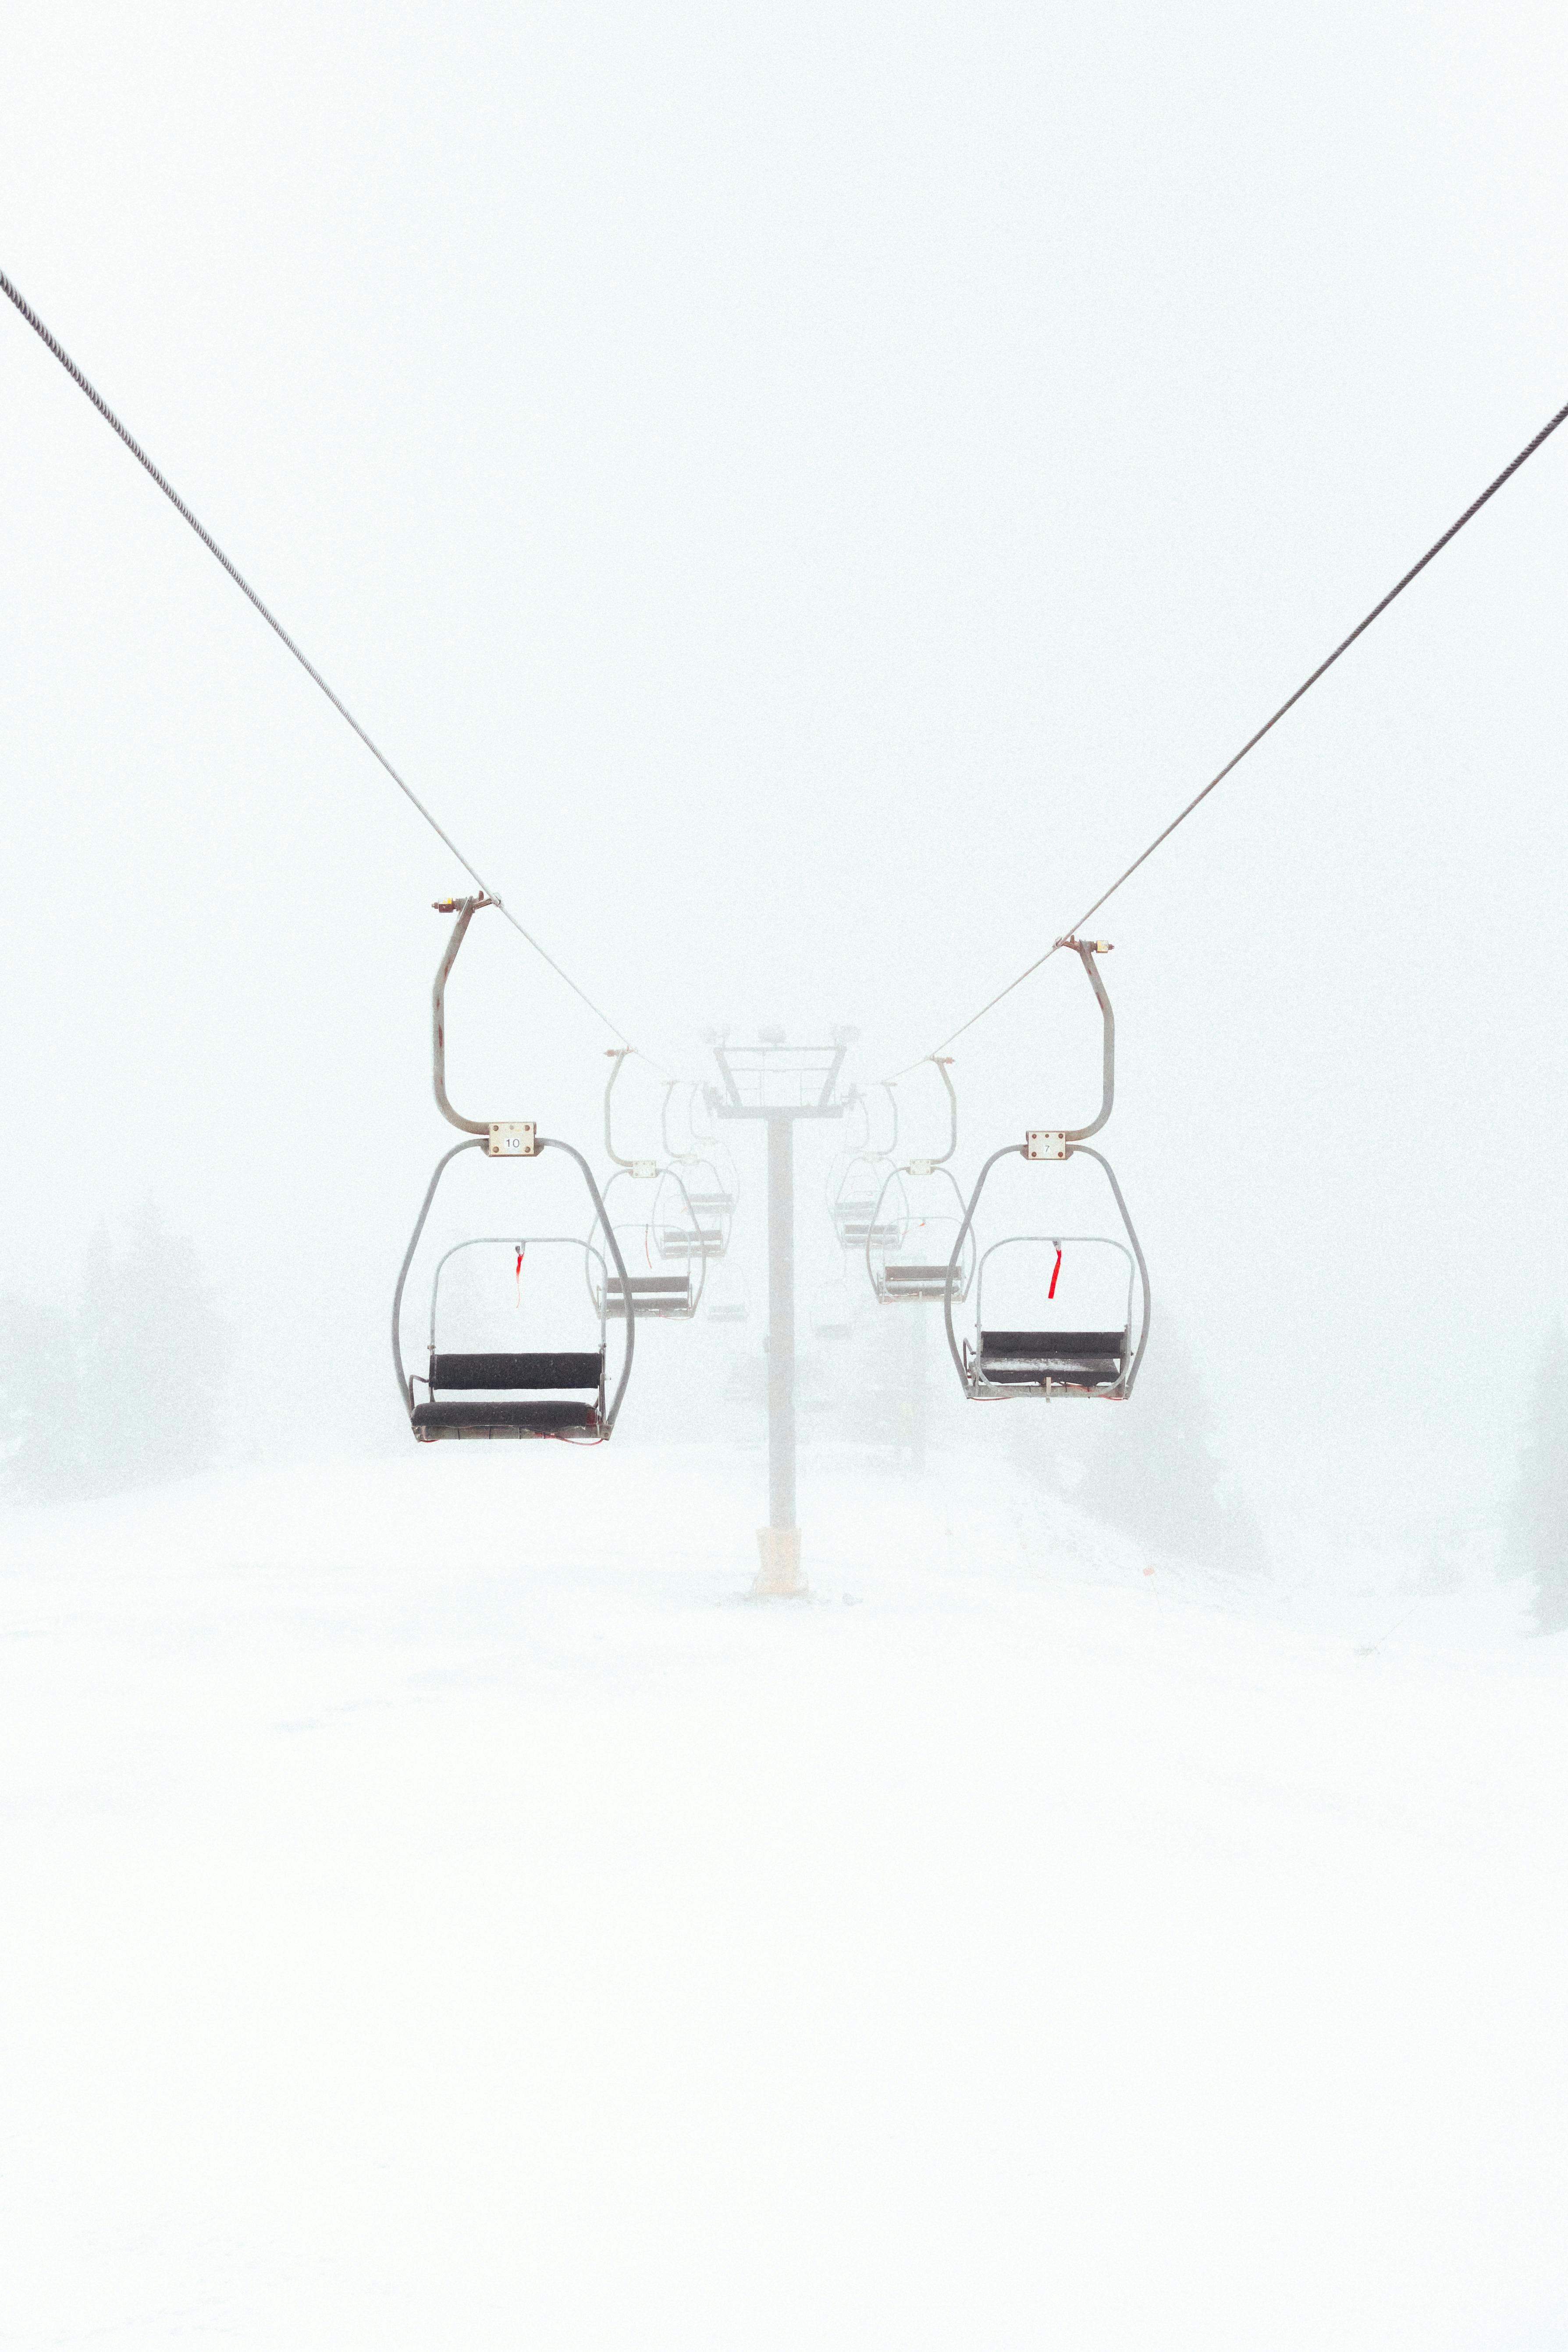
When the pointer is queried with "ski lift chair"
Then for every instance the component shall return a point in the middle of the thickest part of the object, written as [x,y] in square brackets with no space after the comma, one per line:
[999,1362]
[533,1393]
[867,1206]
[729,1300]
[660,1298]
[712,1187]
[669,1228]
[921,1263]
[833,1310]
[698,1225]
[914,1265]
[655,1297]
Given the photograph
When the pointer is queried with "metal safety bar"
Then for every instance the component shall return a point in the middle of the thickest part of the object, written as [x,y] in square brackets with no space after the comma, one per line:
[475,1143]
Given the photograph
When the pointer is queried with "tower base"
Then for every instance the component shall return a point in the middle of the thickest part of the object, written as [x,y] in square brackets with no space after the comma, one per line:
[778,1572]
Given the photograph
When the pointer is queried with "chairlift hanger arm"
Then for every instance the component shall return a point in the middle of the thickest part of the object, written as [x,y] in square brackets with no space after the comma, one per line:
[669,1151]
[504,1139]
[1088,950]
[942,1061]
[616,1056]
[465,909]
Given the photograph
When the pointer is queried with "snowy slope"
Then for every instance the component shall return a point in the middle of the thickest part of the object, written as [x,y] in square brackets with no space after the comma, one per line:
[438,1912]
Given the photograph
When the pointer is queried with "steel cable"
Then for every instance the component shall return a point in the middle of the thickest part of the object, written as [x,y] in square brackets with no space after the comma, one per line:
[309,666]
[1252,742]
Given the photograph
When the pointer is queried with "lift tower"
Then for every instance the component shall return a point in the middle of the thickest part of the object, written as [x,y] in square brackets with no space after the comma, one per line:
[779,1084]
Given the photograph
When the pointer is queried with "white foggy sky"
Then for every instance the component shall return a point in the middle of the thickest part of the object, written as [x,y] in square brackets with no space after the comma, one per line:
[806,495]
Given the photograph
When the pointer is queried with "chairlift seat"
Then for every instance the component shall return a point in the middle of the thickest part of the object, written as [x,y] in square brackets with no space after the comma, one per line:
[919,1281]
[513,1416]
[1029,1359]
[651,1294]
[505,1417]
[853,1218]
[680,1240]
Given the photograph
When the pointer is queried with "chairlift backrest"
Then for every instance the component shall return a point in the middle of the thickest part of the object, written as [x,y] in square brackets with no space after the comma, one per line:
[663,1227]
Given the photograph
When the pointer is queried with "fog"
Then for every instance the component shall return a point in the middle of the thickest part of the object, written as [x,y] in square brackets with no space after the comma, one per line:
[804,502]
[803,496]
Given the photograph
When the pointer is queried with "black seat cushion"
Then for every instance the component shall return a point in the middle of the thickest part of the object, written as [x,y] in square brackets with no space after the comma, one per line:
[1023,1359]
[540,1416]
[574,1370]
[1052,1343]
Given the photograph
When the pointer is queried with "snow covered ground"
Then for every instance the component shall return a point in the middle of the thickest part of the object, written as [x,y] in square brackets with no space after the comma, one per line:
[438,1911]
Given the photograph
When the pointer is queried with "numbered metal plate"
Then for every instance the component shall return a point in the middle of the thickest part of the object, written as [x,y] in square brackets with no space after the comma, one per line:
[512,1139]
[1045,1143]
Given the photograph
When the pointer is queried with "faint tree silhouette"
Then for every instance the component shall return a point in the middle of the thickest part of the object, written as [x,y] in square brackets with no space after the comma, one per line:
[1540,1516]
[1152,1469]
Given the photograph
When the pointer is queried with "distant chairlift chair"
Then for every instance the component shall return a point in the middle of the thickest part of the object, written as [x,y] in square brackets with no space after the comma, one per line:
[667,1226]
[729,1300]
[832,1309]
[896,1275]
[712,1189]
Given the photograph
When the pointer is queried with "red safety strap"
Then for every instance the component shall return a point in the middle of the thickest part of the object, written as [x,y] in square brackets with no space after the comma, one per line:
[1055,1271]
